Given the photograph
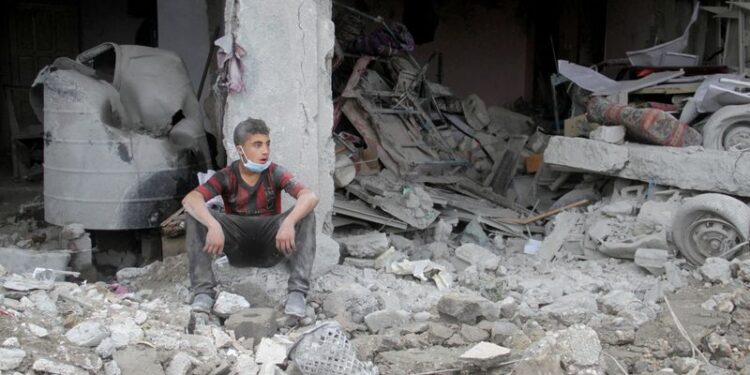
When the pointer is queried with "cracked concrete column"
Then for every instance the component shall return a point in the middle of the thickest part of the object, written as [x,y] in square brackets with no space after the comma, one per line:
[287,76]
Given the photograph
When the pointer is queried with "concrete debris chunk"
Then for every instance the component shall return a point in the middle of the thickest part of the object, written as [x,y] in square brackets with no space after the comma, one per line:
[652,259]
[111,368]
[72,232]
[10,359]
[180,364]
[610,134]
[229,303]
[485,352]
[368,245]
[473,233]
[476,255]
[11,342]
[473,333]
[685,168]
[245,364]
[579,345]
[272,350]
[37,330]
[255,323]
[129,273]
[87,333]
[106,348]
[352,302]
[379,321]
[137,360]
[57,368]
[140,317]
[467,308]
[125,332]
[717,270]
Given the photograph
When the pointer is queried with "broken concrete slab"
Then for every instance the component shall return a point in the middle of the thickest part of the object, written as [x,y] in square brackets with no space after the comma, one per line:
[367,245]
[467,308]
[352,302]
[25,260]
[56,368]
[379,321]
[485,354]
[652,259]
[689,168]
[419,360]
[256,323]
[271,350]
[477,255]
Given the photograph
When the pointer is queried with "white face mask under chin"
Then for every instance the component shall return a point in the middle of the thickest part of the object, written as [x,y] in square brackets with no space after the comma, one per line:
[253,167]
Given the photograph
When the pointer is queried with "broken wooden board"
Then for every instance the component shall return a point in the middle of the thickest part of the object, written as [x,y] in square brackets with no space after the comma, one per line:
[395,204]
[360,210]
[506,165]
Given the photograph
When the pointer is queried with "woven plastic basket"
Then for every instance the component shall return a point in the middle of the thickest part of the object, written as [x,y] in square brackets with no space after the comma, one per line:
[325,350]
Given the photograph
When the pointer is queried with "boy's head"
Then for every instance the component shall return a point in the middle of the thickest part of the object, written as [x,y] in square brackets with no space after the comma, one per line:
[252,140]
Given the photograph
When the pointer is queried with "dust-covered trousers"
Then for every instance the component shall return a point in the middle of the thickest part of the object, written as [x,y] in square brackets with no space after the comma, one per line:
[250,241]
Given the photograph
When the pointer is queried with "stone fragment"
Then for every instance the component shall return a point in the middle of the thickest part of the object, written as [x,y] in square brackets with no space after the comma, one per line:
[477,255]
[245,364]
[137,360]
[502,331]
[140,317]
[56,368]
[106,348]
[614,134]
[72,232]
[111,368]
[254,323]
[572,308]
[438,333]
[229,303]
[579,345]
[11,342]
[652,259]
[125,332]
[368,245]
[43,303]
[467,308]
[129,273]
[473,233]
[716,270]
[270,350]
[87,333]
[37,330]
[352,302]
[180,364]
[11,358]
[379,321]
[473,333]
[221,339]
[485,353]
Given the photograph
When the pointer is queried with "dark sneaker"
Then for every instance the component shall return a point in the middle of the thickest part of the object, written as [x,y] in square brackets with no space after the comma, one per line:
[202,303]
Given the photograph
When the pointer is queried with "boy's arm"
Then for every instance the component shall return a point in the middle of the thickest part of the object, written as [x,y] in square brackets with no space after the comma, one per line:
[306,202]
[195,206]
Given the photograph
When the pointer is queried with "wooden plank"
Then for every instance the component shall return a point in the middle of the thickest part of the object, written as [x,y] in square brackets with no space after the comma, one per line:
[544,215]
[669,89]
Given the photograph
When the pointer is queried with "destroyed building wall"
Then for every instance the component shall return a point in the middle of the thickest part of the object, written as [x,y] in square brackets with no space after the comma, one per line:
[485,47]
[183,28]
[287,78]
[657,22]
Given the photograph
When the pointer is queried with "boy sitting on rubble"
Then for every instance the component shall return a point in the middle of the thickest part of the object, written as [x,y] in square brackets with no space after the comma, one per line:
[252,231]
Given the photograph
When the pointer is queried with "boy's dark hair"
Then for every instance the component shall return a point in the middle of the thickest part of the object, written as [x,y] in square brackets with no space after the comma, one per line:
[249,127]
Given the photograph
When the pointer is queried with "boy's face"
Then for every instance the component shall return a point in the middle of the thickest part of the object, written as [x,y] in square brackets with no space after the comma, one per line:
[257,148]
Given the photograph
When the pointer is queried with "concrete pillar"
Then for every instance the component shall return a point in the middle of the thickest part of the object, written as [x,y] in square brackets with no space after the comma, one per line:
[287,76]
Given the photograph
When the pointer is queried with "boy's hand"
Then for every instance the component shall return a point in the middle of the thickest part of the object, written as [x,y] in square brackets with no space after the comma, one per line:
[285,239]
[214,241]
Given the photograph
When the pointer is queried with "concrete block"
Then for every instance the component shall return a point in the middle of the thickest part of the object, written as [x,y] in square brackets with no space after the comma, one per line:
[256,323]
[477,255]
[25,260]
[135,360]
[368,245]
[49,367]
[691,168]
[467,308]
[229,303]
[717,270]
[609,134]
[11,358]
